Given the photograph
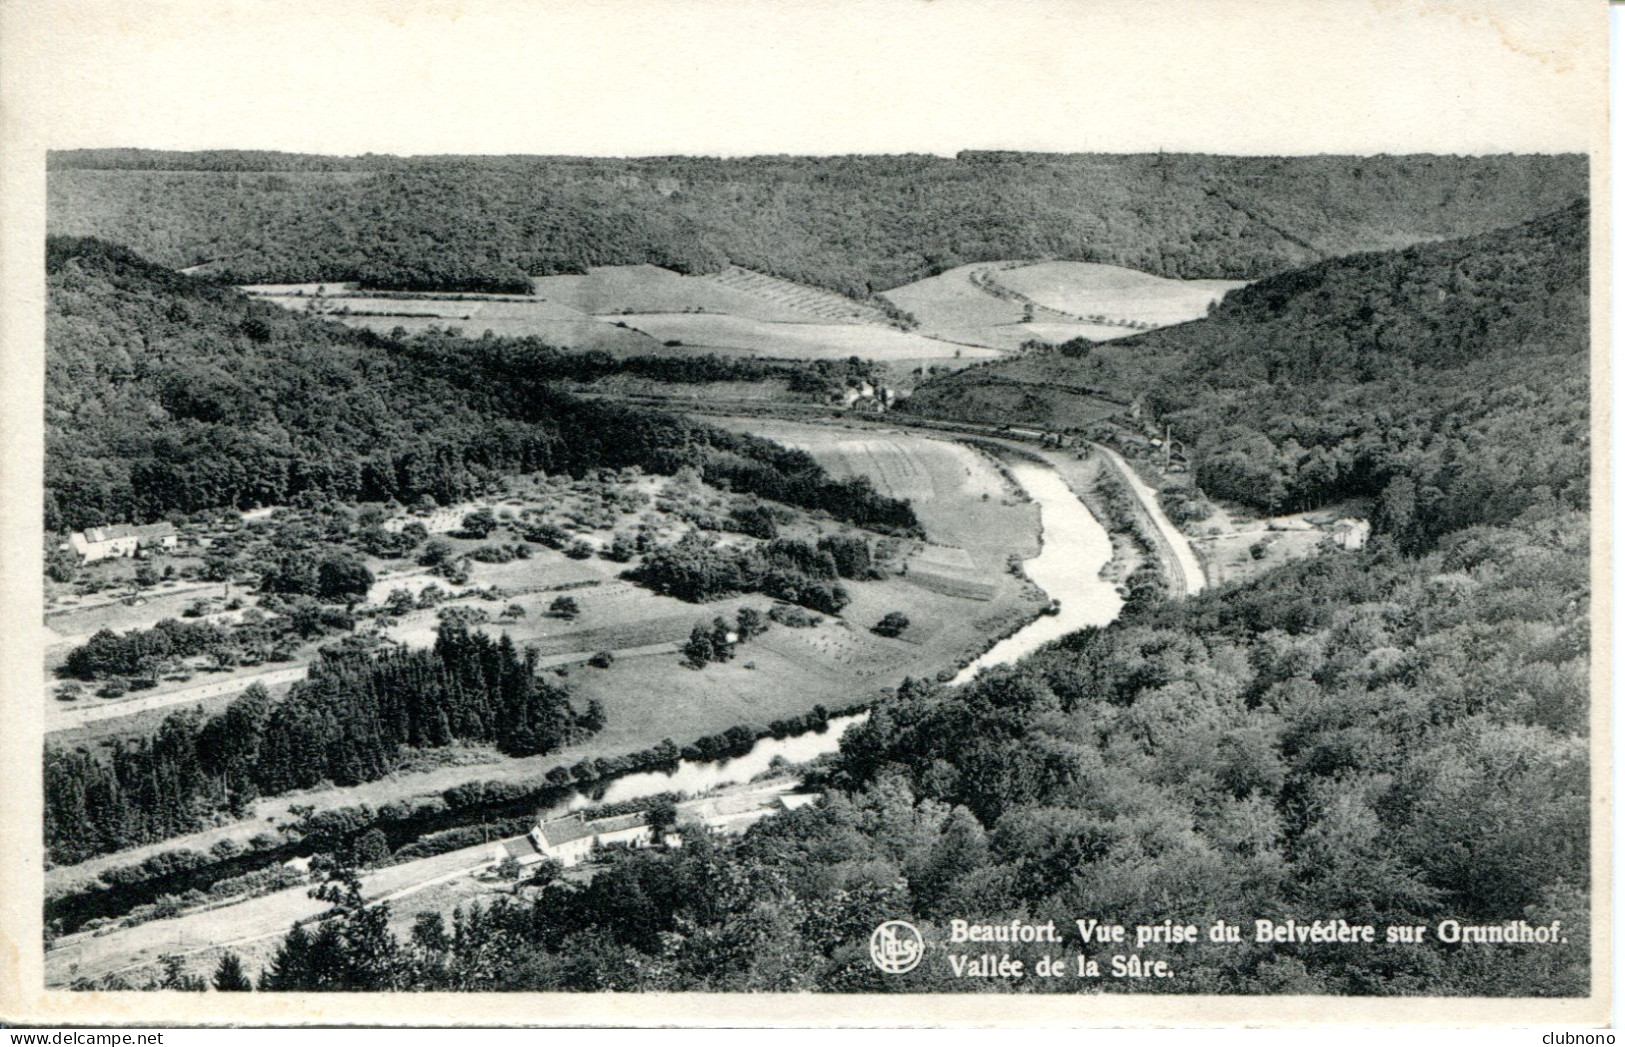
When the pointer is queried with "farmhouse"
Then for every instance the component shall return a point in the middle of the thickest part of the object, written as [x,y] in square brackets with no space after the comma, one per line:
[571,839]
[106,543]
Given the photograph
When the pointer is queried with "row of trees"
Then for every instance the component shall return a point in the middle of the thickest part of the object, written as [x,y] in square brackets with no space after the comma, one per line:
[347,723]
[789,569]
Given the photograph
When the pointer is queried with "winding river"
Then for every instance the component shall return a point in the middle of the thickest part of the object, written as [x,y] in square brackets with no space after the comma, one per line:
[1067,568]
[1075,548]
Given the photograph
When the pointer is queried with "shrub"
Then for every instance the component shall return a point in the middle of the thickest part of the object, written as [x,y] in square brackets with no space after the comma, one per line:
[892,624]
[793,616]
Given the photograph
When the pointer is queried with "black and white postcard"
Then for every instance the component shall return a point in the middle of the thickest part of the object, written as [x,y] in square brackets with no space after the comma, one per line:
[735,512]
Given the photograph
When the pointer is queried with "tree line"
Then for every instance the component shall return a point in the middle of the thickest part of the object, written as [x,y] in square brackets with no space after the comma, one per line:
[789,569]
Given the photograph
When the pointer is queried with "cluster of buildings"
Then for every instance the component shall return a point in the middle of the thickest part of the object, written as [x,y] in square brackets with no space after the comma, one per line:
[573,838]
[868,397]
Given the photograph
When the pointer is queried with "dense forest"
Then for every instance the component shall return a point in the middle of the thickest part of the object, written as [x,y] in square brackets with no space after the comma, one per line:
[855,224]
[347,722]
[1394,736]
[166,393]
[1449,381]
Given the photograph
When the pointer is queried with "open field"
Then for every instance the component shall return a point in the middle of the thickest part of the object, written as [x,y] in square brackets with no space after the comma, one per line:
[951,300]
[796,341]
[1002,304]
[1087,289]
[651,289]
[817,302]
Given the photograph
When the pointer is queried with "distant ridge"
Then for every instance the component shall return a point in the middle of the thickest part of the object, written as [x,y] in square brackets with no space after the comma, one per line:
[856,225]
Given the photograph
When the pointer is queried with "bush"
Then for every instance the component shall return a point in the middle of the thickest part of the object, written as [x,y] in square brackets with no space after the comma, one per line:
[437,552]
[892,624]
[793,616]
[602,660]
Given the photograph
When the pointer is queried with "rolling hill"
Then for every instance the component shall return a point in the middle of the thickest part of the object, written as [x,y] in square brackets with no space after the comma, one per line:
[168,394]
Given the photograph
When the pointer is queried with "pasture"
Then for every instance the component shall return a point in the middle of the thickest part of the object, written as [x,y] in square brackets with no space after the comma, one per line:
[646,310]
[651,289]
[950,300]
[1086,289]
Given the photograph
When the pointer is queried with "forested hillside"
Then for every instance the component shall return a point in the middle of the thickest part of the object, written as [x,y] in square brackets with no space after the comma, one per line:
[166,393]
[1448,380]
[856,225]
[1395,736]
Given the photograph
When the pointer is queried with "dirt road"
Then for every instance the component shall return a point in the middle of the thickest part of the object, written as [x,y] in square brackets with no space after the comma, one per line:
[1184,569]
[270,915]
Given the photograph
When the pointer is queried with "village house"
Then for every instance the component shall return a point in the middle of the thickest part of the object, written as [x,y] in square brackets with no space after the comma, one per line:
[572,839]
[121,540]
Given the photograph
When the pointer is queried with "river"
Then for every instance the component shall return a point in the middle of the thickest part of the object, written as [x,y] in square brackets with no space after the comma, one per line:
[1075,549]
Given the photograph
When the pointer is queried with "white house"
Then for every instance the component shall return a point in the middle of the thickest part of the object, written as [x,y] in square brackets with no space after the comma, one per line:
[121,540]
[571,839]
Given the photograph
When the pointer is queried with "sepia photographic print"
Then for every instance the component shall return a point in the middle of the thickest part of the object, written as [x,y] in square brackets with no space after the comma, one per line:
[883,512]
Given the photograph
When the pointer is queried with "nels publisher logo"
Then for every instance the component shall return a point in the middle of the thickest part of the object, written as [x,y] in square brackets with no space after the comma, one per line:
[896,947]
